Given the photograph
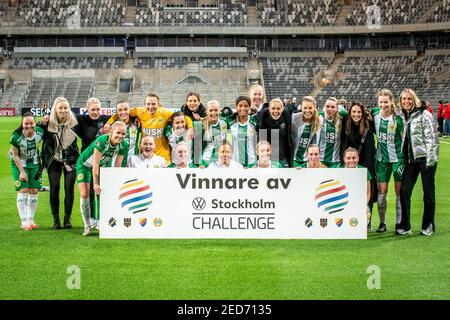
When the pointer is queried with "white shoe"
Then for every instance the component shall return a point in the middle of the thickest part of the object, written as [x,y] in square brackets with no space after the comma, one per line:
[428,231]
[403,232]
[93,223]
[87,231]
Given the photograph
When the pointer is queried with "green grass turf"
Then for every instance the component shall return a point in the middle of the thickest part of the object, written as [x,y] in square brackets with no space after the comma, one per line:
[33,265]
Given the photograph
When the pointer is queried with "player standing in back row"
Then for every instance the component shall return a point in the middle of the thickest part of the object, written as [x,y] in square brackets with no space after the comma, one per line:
[389,130]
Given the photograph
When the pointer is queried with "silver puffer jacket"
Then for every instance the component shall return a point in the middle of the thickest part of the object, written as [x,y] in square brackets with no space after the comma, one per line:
[424,138]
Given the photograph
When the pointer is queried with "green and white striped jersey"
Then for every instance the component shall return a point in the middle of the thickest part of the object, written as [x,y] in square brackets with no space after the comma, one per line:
[302,136]
[108,152]
[174,138]
[244,139]
[390,136]
[27,147]
[330,139]
[132,137]
[212,140]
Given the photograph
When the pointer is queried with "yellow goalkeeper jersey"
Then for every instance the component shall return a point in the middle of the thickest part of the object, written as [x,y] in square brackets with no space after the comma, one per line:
[153,125]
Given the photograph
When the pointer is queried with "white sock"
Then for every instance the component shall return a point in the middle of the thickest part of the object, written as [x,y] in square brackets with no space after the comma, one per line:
[398,207]
[32,204]
[85,209]
[382,204]
[22,207]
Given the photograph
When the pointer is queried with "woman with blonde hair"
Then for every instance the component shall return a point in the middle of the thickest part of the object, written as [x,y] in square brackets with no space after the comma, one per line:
[214,131]
[264,152]
[100,153]
[275,126]
[90,127]
[60,154]
[306,127]
[146,157]
[420,155]
[330,137]
[257,98]
[389,130]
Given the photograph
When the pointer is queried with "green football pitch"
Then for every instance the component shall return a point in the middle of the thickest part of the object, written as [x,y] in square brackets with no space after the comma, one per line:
[36,264]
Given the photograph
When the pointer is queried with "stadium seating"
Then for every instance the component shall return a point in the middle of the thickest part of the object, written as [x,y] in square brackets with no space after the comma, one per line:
[441,13]
[66,63]
[227,13]
[77,90]
[391,11]
[46,13]
[181,62]
[291,76]
[2,10]
[298,13]
[363,77]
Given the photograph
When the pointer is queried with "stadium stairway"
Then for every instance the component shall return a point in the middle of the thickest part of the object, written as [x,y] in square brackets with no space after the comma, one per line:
[429,12]
[410,65]
[334,67]
[252,16]
[130,15]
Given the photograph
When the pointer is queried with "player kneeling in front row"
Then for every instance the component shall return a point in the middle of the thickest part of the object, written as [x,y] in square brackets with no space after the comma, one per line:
[225,159]
[147,157]
[313,156]
[182,156]
[99,154]
[24,156]
[264,153]
[351,160]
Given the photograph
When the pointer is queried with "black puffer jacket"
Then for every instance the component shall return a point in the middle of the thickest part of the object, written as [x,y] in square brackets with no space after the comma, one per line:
[284,128]
[201,111]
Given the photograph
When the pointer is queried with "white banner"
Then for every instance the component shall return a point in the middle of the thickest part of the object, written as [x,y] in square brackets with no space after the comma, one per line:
[229,203]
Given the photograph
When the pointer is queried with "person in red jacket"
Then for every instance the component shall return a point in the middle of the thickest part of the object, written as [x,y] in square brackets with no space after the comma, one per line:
[429,107]
[447,120]
[440,116]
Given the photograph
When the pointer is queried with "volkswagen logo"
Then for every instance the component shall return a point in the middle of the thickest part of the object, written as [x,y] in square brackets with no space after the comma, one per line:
[199,203]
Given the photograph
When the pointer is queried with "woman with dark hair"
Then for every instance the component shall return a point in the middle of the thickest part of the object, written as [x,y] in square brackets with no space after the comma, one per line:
[275,126]
[357,133]
[24,155]
[193,108]
[420,155]
[244,132]
[176,131]
[60,154]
